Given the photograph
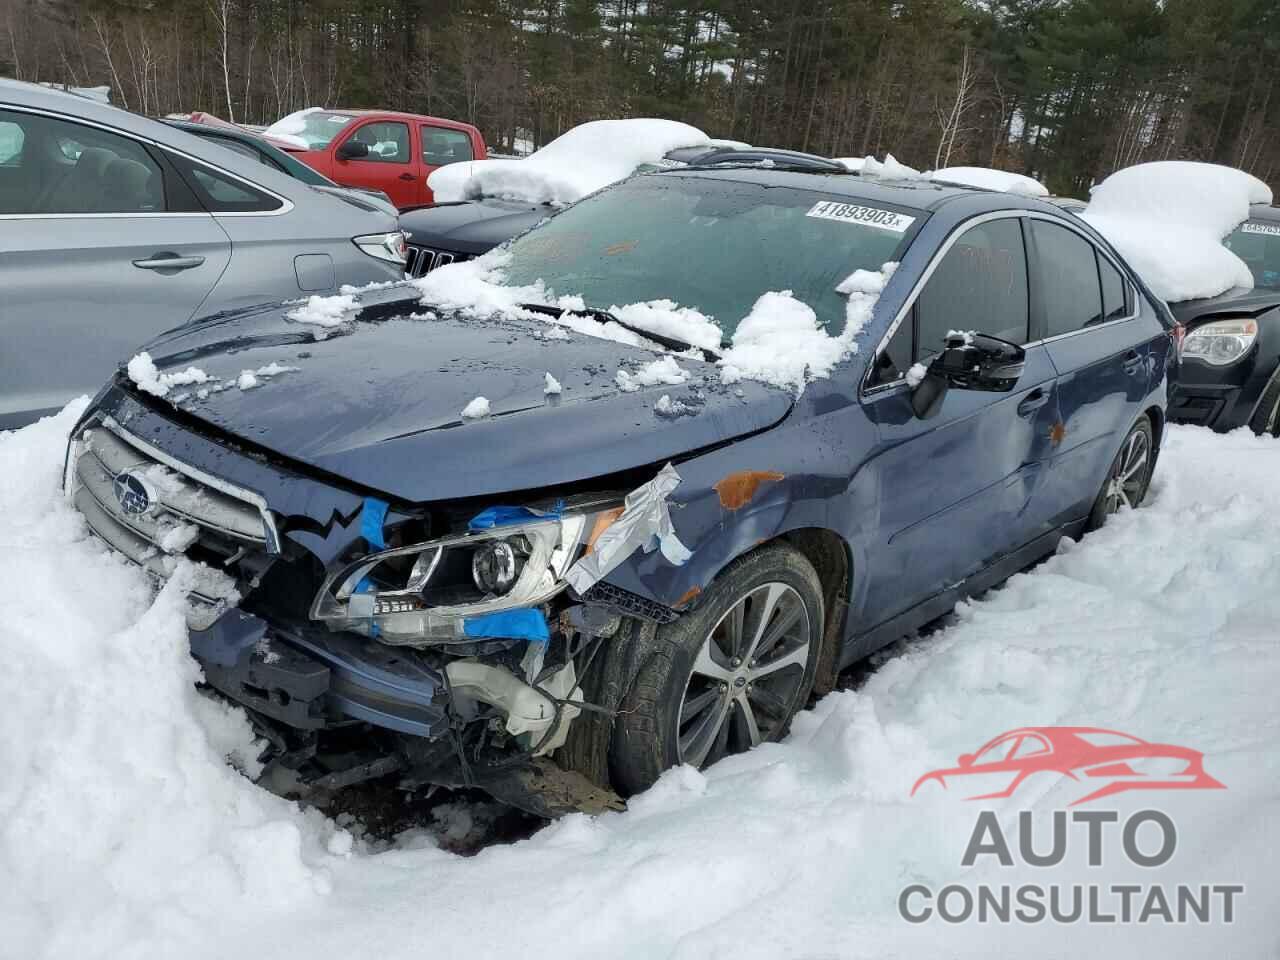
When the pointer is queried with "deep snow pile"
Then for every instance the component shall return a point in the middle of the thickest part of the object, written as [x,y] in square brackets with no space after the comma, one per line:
[123,833]
[579,161]
[1168,219]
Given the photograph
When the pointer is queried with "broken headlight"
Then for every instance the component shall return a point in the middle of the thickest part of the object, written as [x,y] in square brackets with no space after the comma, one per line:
[427,593]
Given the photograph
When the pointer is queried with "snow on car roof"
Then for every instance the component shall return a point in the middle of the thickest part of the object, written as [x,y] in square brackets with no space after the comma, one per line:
[578,162]
[988,178]
[1168,219]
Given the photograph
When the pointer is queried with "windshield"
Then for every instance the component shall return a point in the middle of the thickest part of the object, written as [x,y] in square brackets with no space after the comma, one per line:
[712,244]
[314,128]
[1257,243]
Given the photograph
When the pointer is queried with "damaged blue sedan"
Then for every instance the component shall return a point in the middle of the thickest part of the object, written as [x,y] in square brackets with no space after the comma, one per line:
[626,493]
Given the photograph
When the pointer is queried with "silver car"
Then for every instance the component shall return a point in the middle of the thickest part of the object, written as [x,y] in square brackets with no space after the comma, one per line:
[114,228]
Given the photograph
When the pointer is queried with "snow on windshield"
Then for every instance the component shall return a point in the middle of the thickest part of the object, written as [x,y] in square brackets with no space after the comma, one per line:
[780,342]
[1169,218]
[307,129]
[988,178]
[579,161]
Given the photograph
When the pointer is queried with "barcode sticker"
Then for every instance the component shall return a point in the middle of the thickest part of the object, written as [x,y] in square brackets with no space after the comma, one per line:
[866,216]
[1270,229]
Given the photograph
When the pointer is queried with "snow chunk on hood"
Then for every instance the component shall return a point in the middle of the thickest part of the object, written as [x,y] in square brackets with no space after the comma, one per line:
[143,371]
[988,178]
[477,409]
[662,370]
[1168,219]
[325,312]
[667,318]
[579,161]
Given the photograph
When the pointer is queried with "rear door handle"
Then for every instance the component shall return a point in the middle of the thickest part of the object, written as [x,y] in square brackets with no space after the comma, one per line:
[407,176]
[1132,363]
[161,262]
[1032,402]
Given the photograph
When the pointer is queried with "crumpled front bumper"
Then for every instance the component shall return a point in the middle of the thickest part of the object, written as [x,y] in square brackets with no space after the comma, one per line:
[316,679]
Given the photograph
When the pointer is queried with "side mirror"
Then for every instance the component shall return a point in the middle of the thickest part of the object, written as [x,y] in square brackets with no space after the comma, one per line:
[353,150]
[968,361]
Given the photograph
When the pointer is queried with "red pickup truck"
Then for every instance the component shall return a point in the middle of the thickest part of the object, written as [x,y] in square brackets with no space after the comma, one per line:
[377,149]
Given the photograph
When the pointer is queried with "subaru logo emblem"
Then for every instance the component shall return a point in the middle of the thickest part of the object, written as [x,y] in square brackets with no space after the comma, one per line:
[136,496]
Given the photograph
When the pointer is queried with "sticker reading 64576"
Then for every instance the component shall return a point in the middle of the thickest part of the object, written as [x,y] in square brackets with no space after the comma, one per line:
[867,216]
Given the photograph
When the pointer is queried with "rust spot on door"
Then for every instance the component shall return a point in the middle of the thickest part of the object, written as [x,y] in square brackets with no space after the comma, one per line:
[738,489]
[1057,432]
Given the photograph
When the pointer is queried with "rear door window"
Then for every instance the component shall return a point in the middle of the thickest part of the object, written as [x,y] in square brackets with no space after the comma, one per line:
[980,285]
[1064,279]
[441,147]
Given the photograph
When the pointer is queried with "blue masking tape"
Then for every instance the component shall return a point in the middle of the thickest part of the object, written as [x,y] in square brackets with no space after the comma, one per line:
[523,624]
[505,516]
[372,517]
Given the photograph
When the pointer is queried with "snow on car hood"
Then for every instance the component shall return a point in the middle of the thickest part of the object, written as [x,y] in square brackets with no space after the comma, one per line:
[579,161]
[1168,219]
[988,178]
[380,400]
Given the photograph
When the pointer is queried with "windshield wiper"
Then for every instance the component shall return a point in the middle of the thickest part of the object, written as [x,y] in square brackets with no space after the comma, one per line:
[604,316]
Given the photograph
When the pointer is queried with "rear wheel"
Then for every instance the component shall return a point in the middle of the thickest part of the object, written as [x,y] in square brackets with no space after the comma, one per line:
[1129,476]
[1266,419]
[727,676]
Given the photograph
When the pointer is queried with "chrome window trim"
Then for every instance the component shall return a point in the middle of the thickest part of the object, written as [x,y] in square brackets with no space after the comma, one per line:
[286,205]
[865,390]
[195,473]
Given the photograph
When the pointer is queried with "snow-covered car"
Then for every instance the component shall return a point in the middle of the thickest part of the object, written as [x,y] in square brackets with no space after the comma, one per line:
[487,202]
[621,495]
[1170,219]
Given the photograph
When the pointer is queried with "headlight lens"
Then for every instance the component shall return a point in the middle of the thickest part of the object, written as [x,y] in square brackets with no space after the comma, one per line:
[422,594]
[385,246]
[1220,342]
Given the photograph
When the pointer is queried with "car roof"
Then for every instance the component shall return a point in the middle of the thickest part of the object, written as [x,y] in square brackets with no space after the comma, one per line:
[211,130]
[921,194]
[402,115]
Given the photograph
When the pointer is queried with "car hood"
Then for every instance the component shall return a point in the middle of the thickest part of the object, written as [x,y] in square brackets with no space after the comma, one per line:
[471,226]
[1239,300]
[380,402]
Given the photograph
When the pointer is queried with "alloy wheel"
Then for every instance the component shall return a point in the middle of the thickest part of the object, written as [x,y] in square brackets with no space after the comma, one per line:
[1129,473]
[746,676]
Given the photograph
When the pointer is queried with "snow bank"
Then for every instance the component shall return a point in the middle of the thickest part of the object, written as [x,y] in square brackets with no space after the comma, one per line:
[579,161]
[987,178]
[1168,220]
[124,833]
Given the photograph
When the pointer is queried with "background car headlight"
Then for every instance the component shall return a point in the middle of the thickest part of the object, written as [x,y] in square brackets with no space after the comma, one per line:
[1220,342]
[385,246]
[422,594]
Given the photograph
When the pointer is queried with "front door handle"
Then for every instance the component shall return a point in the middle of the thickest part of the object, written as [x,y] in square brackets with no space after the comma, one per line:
[1132,363]
[1032,402]
[407,176]
[161,261]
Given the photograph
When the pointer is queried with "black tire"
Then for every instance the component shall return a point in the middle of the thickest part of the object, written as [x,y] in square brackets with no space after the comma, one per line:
[1133,488]
[754,698]
[1266,419]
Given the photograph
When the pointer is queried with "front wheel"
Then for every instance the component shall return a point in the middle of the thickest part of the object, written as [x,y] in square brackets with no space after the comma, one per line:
[1129,476]
[726,676]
